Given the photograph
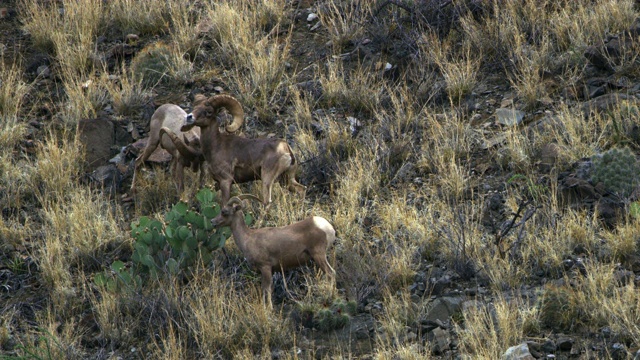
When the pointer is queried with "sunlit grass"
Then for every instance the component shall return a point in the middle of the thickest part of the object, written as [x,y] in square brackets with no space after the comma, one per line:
[393,228]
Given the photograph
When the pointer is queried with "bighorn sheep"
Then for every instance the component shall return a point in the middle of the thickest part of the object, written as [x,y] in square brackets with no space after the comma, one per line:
[231,158]
[167,120]
[278,248]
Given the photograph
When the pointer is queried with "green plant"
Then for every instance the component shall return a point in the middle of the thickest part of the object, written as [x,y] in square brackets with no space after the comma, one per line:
[634,209]
[173,246]
[183,239]
[329,317]
[117,278]
[618,169]
[533,190]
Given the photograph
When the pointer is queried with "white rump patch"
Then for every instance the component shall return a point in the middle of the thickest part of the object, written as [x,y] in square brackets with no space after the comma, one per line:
[323,225]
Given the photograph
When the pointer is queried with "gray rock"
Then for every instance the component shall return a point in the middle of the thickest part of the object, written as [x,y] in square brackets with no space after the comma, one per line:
[439,340]
[442,308]
[107,177]
[43,71]
[509,117]
[518,352]
[97,137]
[605,103]
[597,59]
[564,343]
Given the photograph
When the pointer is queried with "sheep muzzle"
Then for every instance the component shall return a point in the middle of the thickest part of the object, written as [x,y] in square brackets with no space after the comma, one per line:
[189,122]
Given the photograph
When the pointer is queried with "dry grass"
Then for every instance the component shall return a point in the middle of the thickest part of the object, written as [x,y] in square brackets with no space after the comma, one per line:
[489,329]
[404,188]
[144,17]
[248,40]
[338,17]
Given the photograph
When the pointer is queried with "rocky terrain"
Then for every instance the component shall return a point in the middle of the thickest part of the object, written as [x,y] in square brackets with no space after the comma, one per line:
[443,289]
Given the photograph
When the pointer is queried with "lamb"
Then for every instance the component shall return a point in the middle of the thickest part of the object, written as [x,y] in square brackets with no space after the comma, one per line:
[278,248]
[231,158]
[167,119]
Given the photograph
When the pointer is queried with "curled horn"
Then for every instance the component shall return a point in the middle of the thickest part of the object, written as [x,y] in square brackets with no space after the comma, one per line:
[233,106]
[185,150]
[234,200]
[250,197]
[238,199]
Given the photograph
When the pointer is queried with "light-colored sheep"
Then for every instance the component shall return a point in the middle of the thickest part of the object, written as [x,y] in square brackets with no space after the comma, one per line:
[231,158]
[167,120]
[278,248]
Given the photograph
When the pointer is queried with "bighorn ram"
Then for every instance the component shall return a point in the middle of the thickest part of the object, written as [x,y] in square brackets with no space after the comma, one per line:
[168,119]
[278,248]
[232,158]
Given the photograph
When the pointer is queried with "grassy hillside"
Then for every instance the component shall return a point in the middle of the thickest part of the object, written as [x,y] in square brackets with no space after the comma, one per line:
[465,151]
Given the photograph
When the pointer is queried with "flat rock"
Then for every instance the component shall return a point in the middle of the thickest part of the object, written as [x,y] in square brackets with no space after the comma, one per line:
[509,117]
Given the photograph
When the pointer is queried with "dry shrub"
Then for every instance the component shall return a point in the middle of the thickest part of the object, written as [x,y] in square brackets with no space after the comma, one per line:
[459,67]
[590,302]
[13,90]
[221,315]
[489,329]
[127,93]
[343,21]
[356,89]
[146,17]
[161,64]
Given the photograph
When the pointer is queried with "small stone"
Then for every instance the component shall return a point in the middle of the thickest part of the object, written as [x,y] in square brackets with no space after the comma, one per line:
[439,340]
[311,17]
[132,39]
[518,352]
[509,117]
[43,71]
[564,343]
[546,101]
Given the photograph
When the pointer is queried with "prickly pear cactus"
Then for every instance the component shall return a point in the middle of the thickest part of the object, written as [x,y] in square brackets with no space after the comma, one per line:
[618,169]
[185,238]
[334,316]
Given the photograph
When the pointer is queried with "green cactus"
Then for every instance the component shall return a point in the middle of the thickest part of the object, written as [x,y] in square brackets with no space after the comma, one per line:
[173,246]
[185,237]
[327,318]
[117,277]
[618,170]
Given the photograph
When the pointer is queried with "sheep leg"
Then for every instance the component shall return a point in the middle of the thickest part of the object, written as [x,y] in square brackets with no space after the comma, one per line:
[267,280]
[152,144]
[320,258]
[267,183]
[225,191]
[201,170]
[179,176]
[294,186]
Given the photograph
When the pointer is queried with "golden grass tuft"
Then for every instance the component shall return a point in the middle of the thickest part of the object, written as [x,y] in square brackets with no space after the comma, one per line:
[144,17]
[245,317]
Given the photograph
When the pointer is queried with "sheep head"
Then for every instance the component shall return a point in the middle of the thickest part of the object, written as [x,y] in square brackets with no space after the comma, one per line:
[206,110]
[230,208]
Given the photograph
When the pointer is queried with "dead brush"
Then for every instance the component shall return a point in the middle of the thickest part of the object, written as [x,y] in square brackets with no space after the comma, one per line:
[144,17]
